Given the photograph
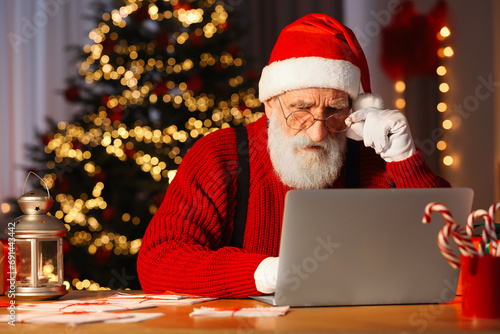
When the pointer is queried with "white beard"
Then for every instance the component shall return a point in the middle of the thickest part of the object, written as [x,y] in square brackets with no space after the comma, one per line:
[305,169]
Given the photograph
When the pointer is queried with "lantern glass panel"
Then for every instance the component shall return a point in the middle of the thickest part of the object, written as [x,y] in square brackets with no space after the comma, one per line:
[48,269]
[24,277]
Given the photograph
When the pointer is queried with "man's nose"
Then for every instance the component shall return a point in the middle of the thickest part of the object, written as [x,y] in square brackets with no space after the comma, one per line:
[317,132]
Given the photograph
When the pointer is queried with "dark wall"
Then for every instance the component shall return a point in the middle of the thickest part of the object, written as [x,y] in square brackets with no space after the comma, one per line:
[264,19]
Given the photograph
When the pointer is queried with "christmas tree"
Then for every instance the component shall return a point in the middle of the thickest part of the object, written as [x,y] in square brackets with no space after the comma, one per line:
[158,76]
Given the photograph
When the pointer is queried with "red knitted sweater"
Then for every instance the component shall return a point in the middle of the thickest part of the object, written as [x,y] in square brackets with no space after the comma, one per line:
[185,246]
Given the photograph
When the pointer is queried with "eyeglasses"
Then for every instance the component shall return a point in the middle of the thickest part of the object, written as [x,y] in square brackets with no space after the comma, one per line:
[303,120]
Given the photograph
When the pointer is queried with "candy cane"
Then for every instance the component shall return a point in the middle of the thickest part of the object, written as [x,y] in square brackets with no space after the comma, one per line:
[470,227]
[489,228]
[452,228]
[444,246]
[460,235]
[438,207]
[464,242]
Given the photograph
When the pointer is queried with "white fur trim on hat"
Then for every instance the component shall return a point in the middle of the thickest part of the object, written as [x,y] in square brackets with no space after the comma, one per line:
[308,72]
[367,101]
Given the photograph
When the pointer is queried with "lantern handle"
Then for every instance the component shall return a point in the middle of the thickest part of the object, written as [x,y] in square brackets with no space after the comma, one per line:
[46,187]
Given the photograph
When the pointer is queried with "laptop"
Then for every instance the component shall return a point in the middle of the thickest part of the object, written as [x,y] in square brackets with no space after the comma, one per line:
[365,247]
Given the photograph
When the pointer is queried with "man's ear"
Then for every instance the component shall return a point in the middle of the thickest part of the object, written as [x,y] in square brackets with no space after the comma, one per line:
[268,107]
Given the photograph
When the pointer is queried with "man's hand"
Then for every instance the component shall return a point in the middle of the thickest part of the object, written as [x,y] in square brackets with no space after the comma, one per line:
[266,275]
[386,131]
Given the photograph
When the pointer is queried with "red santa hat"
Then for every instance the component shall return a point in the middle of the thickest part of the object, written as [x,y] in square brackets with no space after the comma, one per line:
[316,51]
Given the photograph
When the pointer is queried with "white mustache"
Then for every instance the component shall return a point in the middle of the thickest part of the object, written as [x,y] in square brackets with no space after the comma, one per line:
[303,141]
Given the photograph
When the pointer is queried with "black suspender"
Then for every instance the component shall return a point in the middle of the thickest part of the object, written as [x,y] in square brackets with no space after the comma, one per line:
[352,164]
[243,186]
[243,180]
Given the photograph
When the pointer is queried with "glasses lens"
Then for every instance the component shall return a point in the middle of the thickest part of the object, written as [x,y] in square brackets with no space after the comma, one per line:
[300,120]
[336,122]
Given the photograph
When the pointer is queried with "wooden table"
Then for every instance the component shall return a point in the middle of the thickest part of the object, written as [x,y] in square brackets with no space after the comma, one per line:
[401,319]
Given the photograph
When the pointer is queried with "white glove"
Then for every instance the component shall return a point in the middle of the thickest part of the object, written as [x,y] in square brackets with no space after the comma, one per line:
[266,275]
[386,131]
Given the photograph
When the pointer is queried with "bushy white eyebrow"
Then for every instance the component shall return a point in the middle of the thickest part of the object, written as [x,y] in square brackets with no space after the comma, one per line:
[340,104]
[303,104]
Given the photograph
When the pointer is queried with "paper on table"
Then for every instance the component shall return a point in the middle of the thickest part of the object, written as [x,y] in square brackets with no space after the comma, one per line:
[158,299]
[66,318]
[136,317]
[150,296]
[240,312]
[94,305]
[187,301]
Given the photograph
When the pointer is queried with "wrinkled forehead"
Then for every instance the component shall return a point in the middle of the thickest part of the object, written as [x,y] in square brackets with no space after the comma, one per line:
[316,97]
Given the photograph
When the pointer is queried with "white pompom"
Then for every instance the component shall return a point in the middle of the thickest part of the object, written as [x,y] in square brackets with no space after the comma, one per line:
[367,101]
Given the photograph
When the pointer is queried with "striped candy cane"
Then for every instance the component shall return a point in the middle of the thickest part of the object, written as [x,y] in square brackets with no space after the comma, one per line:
[444,245]
[469,225]
[489,229]
[460,236]
[469,228]
[438,207]
[451,229]
[464,242]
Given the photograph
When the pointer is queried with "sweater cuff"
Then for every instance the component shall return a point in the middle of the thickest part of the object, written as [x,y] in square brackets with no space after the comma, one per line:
[412,172]
[239,272]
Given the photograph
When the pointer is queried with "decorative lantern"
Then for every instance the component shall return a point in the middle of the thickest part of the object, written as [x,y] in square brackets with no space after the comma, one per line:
[39,252]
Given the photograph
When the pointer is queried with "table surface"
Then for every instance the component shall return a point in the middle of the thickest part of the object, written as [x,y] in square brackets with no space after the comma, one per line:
[423,318]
